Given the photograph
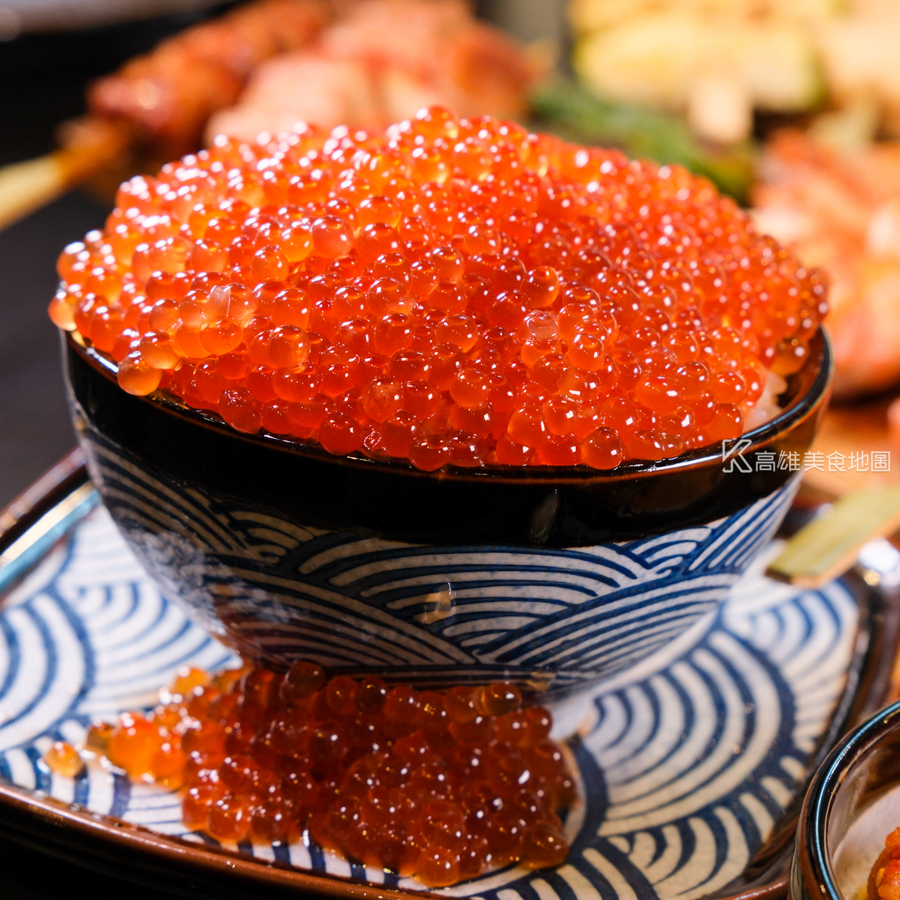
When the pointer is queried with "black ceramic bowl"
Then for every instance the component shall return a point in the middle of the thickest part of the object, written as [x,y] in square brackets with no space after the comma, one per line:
[550,577]
[852,805]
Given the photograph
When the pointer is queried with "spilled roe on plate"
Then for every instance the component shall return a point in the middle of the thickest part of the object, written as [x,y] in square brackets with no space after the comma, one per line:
[449,292]
[437,785]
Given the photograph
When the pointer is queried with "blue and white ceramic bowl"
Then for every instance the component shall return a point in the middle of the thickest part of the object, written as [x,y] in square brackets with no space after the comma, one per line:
[549,577]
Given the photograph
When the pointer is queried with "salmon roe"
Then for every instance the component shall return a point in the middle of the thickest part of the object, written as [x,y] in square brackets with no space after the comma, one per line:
[884,878]
[440,785]
[64,759]
[451,292]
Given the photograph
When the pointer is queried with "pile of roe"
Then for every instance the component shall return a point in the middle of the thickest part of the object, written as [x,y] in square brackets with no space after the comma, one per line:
[884,877]
[450,292]
[437,785]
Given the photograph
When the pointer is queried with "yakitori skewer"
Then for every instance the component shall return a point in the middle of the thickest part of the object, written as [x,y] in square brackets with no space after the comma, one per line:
[828,546]
[161,101]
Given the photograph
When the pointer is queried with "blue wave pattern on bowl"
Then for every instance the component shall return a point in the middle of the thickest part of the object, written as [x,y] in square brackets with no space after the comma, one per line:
[556,619]
[685,767]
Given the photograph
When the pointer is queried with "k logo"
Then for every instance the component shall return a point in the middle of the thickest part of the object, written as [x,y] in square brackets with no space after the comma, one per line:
[733,455]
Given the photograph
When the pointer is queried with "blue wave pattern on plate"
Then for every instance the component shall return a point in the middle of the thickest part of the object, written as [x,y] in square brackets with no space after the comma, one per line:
[686,763]
[557,617]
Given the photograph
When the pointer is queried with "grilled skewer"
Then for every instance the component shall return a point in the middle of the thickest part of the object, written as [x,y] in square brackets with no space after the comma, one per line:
[162,100]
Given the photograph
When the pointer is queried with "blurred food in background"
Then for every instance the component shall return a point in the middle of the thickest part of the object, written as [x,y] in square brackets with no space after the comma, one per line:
[715,60]
[379,63]
[157,105]
[858,48]
[19,17]
[642,132]
[718,61]
[360,63]
[840,209]
[166,96]
[350,62]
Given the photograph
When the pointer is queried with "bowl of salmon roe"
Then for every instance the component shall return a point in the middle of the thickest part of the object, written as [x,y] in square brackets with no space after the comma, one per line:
[455,401]
[847,835]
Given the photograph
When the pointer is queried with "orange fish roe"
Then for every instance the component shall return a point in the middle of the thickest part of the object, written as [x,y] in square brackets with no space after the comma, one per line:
[63,759]
[884,878]
[436,785]
[450,292]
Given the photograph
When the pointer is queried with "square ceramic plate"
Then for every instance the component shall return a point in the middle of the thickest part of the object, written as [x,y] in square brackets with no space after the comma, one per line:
[690,769]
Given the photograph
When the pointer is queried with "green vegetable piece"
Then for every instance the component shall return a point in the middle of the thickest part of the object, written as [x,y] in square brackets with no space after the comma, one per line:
[575,114]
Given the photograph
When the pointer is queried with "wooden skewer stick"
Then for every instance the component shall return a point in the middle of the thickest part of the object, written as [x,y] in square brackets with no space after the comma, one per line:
[26,186]
[829,545]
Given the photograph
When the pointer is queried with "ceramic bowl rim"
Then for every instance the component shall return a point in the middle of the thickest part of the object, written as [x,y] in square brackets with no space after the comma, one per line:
[796,411]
